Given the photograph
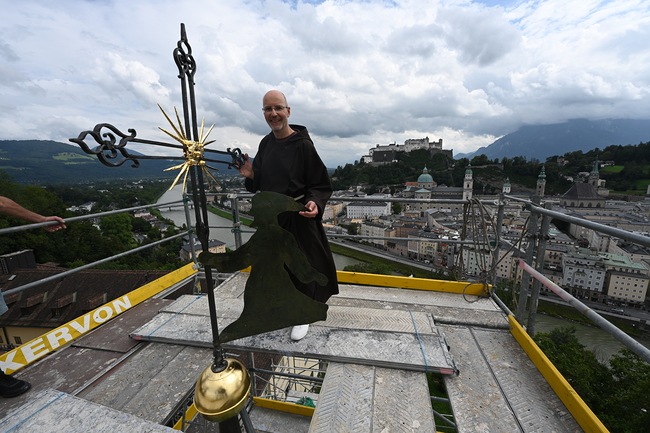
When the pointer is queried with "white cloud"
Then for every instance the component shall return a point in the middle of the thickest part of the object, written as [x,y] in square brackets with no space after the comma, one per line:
[117,76]
[356,73]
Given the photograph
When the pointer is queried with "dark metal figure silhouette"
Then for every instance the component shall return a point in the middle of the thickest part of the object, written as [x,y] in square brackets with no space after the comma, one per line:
[271,301]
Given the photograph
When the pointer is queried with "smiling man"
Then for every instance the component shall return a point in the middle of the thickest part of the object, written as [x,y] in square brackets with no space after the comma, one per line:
[287,163]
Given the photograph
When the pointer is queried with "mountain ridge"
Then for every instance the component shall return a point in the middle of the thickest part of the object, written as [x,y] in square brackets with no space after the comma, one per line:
[543,141]
[47,162]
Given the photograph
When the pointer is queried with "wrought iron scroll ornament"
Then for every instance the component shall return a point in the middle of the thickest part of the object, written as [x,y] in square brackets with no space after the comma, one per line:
[113,153]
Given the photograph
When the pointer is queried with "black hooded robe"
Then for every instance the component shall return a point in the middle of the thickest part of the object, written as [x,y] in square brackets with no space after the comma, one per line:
[291,166]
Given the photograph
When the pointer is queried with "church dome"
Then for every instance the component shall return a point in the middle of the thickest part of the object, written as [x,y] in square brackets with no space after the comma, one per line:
[425,177]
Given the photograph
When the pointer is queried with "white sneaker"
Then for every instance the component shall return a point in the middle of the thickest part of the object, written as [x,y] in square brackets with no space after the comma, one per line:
[298,332]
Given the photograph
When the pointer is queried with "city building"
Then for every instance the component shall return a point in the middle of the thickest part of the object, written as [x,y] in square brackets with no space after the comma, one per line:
[583,274]
[541,183]
[627,281]
[214,246]
[423,250]
[426,188]
[626,287]
[362,209]
[374,230]
[387,154]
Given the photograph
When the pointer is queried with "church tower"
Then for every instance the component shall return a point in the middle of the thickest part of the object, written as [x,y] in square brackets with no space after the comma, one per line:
[541,183]
[468,183]
[506,186]
[594,176]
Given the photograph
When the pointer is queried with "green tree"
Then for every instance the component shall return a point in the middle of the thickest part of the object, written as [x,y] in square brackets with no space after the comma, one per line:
[118,227]
[480,160]
[617,394]
[141,225]
[397,208]
[628,404]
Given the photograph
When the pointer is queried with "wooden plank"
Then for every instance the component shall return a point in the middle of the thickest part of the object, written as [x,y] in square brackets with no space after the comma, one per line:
[114,335]
[73,366]
[65,371]
[564,391]
[416,297]
[267,420]
[198,305]
[378,320]
[446,315]
[358,399]
[531,398]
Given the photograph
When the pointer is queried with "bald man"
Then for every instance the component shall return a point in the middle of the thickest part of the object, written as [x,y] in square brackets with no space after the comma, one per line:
[287,163]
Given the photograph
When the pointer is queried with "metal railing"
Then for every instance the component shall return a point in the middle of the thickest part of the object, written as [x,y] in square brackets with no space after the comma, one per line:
[621,336]
[536,249]
[186,203]
[98,262]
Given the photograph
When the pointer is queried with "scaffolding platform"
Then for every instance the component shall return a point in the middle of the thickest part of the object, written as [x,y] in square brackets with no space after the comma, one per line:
[377,344]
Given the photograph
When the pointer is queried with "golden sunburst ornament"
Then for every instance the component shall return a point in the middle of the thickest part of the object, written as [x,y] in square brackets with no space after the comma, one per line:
[193,150]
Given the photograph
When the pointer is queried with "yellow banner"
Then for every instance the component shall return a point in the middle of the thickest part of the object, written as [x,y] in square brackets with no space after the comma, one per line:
[52,340]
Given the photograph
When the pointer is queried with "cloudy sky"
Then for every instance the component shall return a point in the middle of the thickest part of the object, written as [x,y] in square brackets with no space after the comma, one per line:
[356,73]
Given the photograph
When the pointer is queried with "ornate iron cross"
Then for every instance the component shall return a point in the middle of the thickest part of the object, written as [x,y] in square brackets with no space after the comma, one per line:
[113,153]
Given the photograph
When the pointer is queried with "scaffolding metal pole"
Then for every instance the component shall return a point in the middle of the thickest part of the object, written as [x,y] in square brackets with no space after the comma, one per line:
[539,265]
[498,229]
[188,218]
[621,336]
[236,223]
[82,217]
[530,252]
[613,231]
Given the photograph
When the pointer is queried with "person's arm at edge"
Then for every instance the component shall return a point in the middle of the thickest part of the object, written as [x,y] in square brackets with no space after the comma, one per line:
[13,209]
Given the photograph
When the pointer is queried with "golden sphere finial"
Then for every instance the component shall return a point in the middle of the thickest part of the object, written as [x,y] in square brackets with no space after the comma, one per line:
[220,395]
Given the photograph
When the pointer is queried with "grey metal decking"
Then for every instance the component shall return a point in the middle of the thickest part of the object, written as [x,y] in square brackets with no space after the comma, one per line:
[399,338]
[499,387]
[364,399]
[57,412]
[378,342]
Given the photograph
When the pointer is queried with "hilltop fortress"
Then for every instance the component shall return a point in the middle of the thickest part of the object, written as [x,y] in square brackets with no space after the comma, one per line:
[385,154]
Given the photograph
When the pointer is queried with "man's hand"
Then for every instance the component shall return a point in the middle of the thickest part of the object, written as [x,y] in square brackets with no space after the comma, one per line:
[54,227]
[246,170]
[312,212]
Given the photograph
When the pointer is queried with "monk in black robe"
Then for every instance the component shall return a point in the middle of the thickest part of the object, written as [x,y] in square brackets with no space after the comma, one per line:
[287,163]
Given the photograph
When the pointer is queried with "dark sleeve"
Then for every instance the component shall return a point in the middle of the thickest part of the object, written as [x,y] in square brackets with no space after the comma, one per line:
[253,185]
[318,185]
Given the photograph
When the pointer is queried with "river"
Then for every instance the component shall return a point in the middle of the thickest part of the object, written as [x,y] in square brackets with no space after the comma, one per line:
[221,228]
[595,339]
